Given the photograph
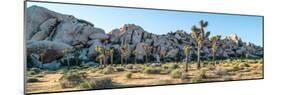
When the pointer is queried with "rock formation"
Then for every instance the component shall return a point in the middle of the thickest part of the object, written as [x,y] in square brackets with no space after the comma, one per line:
[52,37]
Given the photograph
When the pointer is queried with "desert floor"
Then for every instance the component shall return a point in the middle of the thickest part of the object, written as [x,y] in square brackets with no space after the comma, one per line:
[145,75]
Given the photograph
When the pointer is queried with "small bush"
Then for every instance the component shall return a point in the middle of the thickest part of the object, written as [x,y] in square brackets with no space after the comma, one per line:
[31,79]
[119,69]
[201,74]
[150,70]
[174,66]
[30,73]
[243,65]
[72,79]
[220,71]
[129,75]
[176,73]
[103,82]
[129,66]
[184,77]
[108,70]
[97,83]
[36,70]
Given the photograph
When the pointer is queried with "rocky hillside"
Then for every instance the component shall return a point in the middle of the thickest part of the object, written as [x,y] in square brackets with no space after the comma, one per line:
[52,38]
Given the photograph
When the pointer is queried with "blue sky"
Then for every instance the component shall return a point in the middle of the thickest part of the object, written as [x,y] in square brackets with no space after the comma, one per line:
[249,28]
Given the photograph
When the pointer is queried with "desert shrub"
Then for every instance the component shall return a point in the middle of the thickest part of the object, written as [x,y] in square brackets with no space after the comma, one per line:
[235,67]
[243,65]
[150,70]
[129,66]
[220,71]
[165,66]
[108,70]
[32,79]
[201,74]
[103,82]
[36,70]
[226,78]
[97,83]
[119,69]
[174,66]
[176,73]
[129,75]
[30,73]
[72,79]
[184,76]
[85,85]
[33,71]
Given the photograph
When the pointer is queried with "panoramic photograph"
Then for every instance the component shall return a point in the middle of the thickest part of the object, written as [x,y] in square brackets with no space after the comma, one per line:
[71,47]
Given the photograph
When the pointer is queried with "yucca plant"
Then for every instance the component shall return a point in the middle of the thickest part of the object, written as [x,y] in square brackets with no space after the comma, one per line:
[65,52]
[147,49]
[111,54]
[198,33]
[187,49]
[214,41]
[124,53]
[101,56]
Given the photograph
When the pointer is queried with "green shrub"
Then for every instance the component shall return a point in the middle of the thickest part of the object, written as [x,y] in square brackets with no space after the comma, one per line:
[129,75]
[150,70]
[85,85]
[32,79]
[108,70]
[72,79]
[176,73]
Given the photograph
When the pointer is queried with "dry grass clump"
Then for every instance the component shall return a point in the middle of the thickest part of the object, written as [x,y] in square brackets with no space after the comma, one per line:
[97,83]
[119,69]
[220,71]
[129,66]
[128,75]
[108,70]
[72,79]
[200,75]
[150,70]
[174,66]
[177,73]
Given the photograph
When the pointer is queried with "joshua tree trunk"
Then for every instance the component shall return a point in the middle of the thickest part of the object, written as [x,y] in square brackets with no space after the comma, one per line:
[42,62]
[146,59]
[67,62]
[121,59]
[214,56]
[100,59]
[198,58]
[186,63]
[104,61]
[111,59]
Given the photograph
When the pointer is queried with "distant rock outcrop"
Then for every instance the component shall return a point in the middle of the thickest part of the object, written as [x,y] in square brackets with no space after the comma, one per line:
[51,31]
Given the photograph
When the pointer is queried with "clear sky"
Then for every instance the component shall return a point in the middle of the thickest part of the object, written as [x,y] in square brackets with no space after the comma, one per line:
[249,28]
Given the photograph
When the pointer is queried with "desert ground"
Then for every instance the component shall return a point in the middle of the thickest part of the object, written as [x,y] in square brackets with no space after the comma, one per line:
[130,75]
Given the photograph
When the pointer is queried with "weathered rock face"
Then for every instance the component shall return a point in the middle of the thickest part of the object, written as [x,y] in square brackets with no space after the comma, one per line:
[49,34]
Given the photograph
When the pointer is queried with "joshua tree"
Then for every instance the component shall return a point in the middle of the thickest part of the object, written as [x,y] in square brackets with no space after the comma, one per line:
[214,41]
[101,52]
[147,49]
[124,53]
[65,52]
[187,49]
[111,54]
[199,35]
